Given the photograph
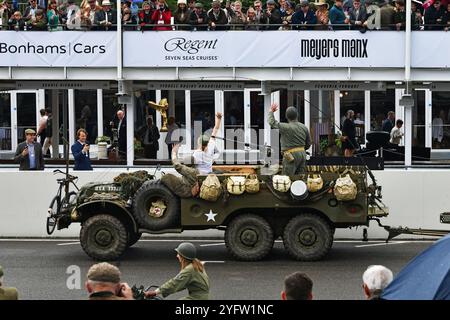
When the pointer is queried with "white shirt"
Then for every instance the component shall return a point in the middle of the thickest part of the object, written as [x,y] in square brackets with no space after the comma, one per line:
[396,135]
[204,159]
[438,129]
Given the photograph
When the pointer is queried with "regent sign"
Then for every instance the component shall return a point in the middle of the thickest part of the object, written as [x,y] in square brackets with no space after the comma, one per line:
[265,49]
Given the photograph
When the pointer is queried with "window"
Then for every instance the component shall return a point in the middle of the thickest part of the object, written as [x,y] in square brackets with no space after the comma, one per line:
[5,121]
[26,114]
[234,119]
[110,107]
[203,114]
[418,118]
[353,100]
[322,119]
[86,113]
[440,125]
[381,102]
[257,118]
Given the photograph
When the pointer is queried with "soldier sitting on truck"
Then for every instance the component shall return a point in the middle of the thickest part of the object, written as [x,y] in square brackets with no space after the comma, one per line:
[187,185]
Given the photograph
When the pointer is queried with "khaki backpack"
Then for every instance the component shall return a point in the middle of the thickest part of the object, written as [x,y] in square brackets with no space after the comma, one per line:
[236,185]
[314,183]
[252,183]
[345,189]
[211,188]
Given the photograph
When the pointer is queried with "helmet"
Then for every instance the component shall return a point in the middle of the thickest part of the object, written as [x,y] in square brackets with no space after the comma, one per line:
[187,250]
[291,113]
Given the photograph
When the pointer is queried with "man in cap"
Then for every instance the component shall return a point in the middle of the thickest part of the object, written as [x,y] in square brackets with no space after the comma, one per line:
[273,15]
[294,140]
[106,19]
[217,17]
[192,276]
[7,293]
[304,16]
[29,153]
[103,283]
[337,16]
[198,18]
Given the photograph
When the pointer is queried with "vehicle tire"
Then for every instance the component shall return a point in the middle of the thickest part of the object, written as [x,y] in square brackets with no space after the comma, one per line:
[133,237]
[249,237]
[308,237]
[147,194]
[53,210]
[103,237]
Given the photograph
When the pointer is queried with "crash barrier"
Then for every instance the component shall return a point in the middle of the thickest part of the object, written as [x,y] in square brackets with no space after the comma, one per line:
[24,209]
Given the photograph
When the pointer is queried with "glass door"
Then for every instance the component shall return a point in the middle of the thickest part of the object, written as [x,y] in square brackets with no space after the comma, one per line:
[5,122]
[26,108]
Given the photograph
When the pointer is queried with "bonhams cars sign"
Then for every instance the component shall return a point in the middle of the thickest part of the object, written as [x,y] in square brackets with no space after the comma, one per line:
[58,49]
[264,49]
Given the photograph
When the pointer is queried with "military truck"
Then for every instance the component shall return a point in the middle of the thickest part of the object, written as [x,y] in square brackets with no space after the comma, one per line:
[113,216]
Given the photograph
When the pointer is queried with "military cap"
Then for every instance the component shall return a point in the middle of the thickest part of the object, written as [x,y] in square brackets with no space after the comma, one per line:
[187,250]
[1,271]
[271,2]
[104,272]
[198,5]
[30,131]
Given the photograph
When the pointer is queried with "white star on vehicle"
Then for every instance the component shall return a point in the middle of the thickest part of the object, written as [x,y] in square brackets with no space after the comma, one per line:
[210,216]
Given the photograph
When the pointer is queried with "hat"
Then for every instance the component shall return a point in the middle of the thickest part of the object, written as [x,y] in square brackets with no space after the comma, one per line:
[270,2]
[321,3]
[215,3]
[104,272]
[400,2]
[304,3]
[106,3]
[1,271]
[198,5]
[418,2]
[30,131]
[181,2]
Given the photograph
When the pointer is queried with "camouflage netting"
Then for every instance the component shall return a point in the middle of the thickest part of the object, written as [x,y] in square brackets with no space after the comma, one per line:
[131,182]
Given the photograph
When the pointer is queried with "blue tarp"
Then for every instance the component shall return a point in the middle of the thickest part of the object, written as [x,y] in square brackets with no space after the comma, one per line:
[426,277]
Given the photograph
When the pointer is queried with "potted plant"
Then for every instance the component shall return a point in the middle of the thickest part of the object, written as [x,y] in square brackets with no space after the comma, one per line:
[102,145]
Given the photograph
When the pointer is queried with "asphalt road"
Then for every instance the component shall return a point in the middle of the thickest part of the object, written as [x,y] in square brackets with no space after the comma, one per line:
[57,269]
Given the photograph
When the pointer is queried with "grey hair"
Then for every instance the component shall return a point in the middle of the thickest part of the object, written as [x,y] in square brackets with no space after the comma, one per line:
[377,277]
[350,111]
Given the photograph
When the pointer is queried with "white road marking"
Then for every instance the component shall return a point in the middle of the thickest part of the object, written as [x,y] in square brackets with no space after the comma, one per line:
[68,243]
[382,244]
[204,262]
[212,244]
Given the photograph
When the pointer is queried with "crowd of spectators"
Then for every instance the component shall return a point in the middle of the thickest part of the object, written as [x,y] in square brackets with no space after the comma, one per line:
[220,15]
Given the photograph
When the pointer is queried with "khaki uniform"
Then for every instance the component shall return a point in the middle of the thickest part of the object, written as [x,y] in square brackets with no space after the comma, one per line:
[197,284]
[8,293]
[293,134]
[181,186]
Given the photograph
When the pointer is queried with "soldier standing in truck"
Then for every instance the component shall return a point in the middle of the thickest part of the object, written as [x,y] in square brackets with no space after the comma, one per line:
[294,140]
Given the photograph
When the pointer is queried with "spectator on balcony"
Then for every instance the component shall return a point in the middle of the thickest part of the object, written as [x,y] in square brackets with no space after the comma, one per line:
[6,12]
[337,16]
[161,17]
[52,15]
[191,5]
[434,16]
[251,20]
[357,15]
[181,15]
[387,13]
[199,18]
[16,22]
[282,6]
[416,8]
[217,17]
[73,16]
[446,18]
[304,16]
[30,11]
[287,18]
[260,17]
[39,23]
[322,14]
[145,16]
[239,19]
[400,16]
[128,20]
[93,9]
[106,19]
[273,15]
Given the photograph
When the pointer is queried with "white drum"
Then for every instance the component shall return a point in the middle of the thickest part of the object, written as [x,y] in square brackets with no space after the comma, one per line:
[299,190]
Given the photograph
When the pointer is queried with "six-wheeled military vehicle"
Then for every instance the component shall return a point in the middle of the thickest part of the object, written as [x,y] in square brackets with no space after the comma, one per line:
[113,216]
